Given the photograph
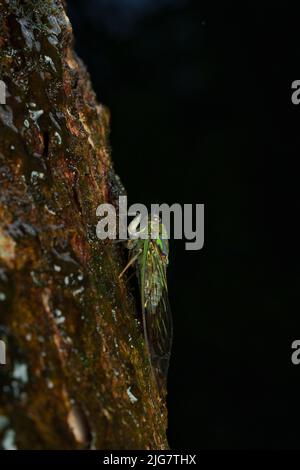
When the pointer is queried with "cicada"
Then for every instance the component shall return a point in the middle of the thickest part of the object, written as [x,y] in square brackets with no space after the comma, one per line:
[150,257]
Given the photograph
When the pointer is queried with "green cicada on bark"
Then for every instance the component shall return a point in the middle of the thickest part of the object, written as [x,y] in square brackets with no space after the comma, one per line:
[150,257]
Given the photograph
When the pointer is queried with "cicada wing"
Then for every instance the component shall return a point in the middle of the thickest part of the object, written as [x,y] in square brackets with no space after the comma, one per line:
[159,330]
[157,312]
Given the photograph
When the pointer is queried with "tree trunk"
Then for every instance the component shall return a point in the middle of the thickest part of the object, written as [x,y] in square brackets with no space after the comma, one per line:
[77,372]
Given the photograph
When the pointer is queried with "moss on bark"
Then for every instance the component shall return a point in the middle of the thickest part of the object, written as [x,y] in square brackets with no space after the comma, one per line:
[77,372]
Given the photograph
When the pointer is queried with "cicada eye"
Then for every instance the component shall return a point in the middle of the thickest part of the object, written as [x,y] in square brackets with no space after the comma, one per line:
[155,218]
[140,222]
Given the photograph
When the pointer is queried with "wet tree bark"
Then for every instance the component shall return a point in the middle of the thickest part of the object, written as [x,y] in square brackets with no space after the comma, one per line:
[77,373]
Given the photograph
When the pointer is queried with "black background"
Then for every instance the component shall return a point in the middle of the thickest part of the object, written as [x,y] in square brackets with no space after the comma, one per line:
[202,113]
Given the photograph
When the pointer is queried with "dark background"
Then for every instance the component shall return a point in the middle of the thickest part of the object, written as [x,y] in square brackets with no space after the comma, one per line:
[201,113]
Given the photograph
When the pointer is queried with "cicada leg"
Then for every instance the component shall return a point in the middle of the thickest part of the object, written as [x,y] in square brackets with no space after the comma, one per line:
[130,263]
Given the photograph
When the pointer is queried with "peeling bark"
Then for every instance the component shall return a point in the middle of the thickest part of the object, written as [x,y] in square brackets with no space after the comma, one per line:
[77,373]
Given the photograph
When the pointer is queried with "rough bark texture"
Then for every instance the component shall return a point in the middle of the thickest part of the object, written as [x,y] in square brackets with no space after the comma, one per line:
[77,373]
